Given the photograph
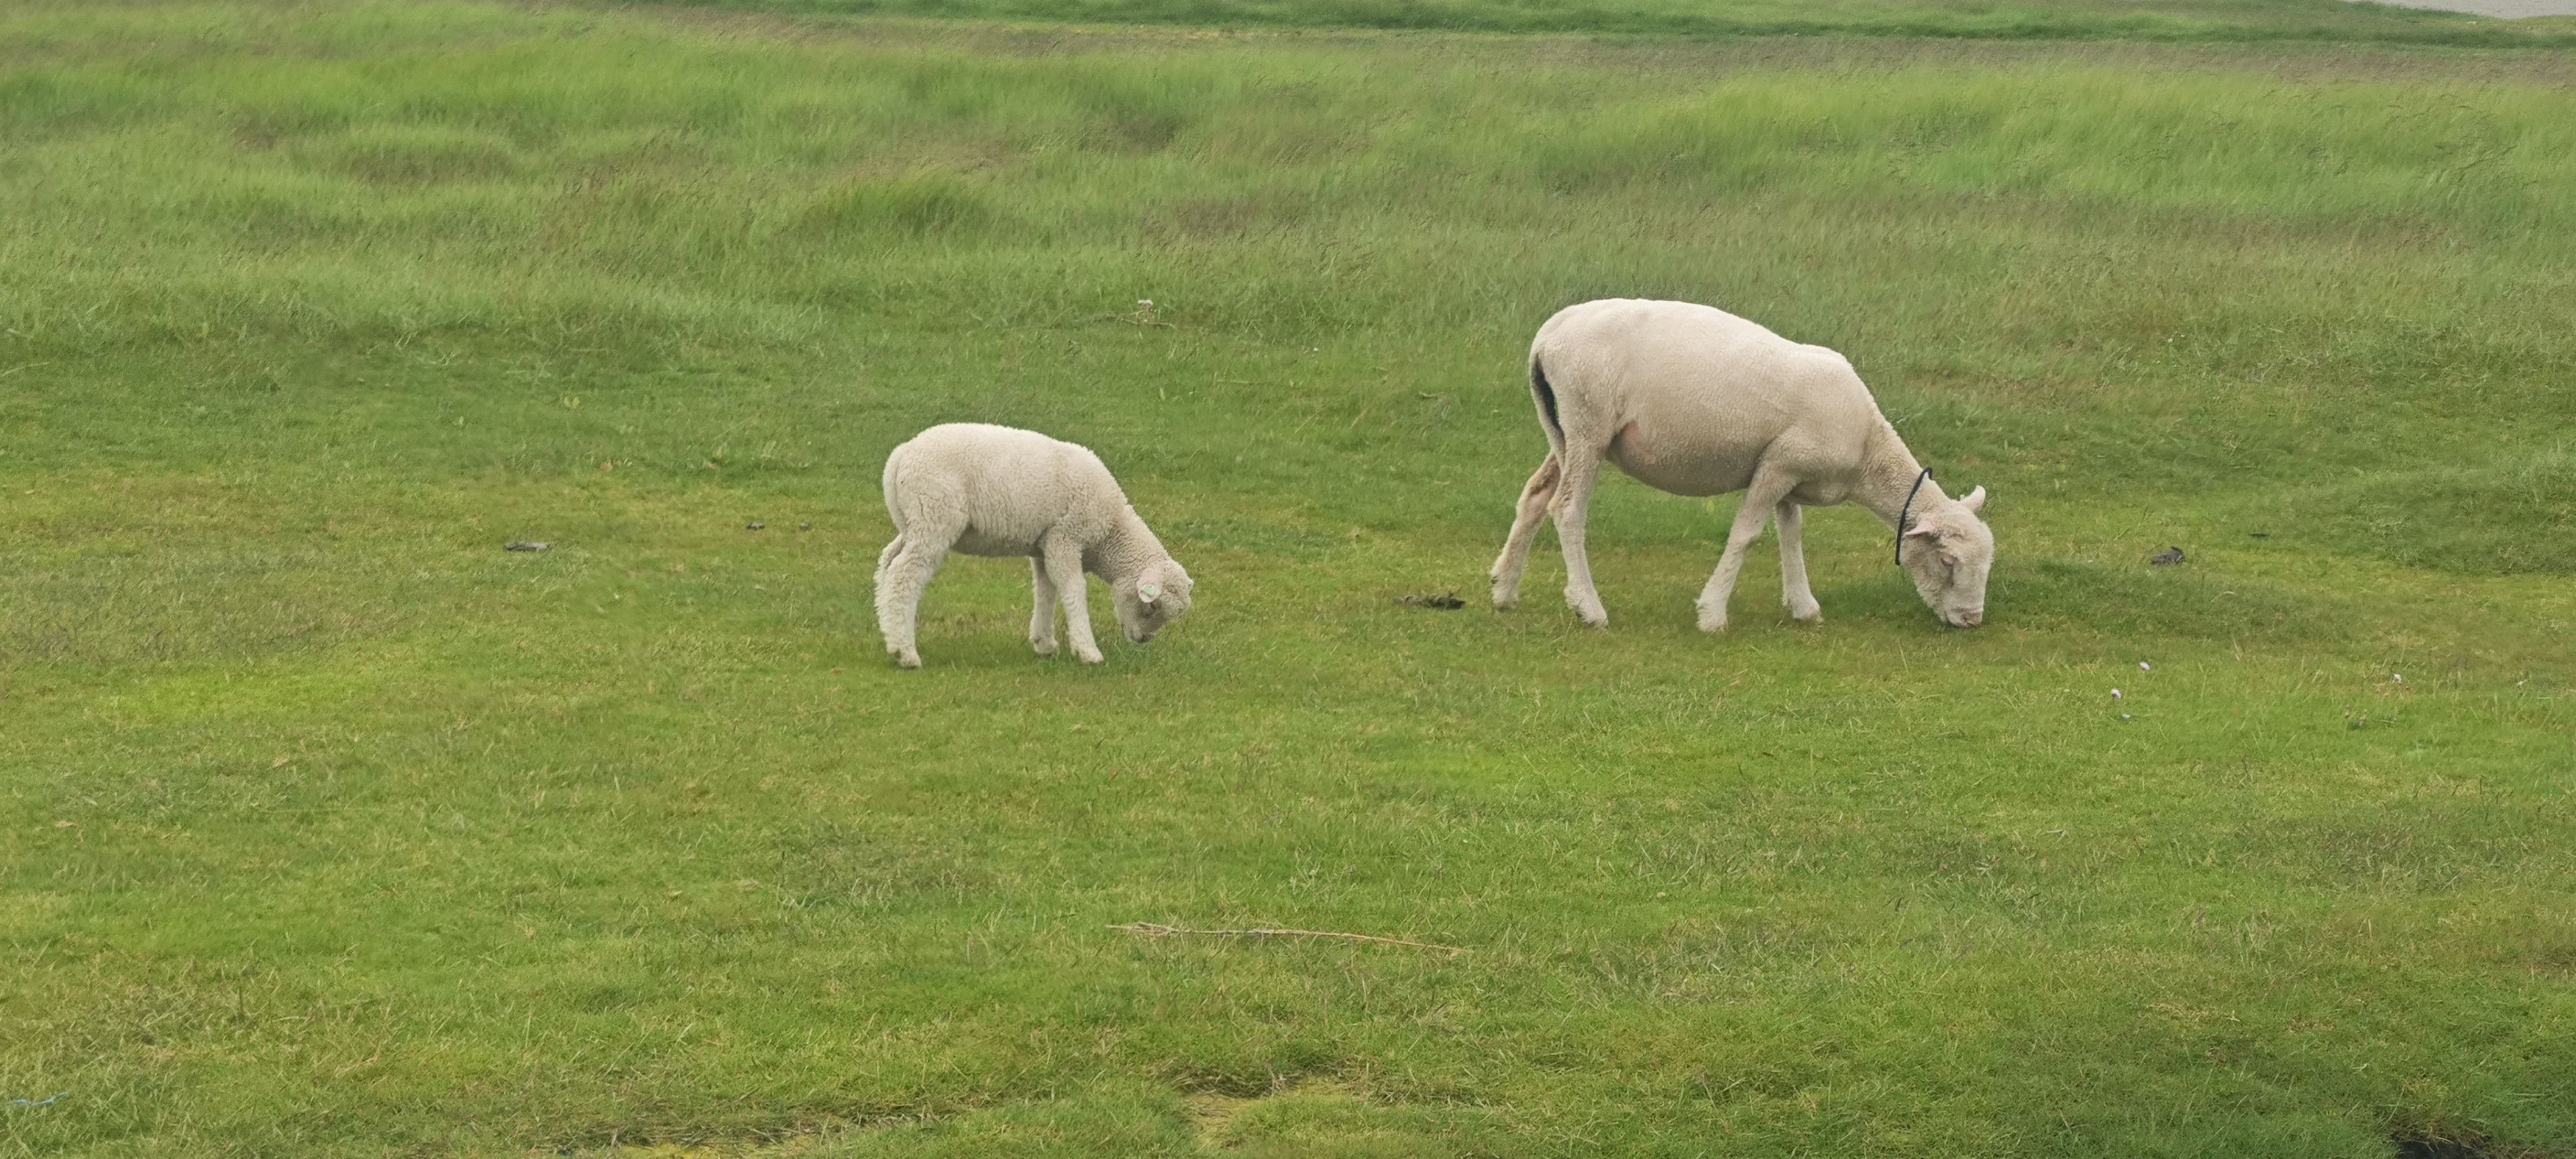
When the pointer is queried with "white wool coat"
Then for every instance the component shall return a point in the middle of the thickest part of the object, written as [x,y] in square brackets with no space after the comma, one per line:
[999,491]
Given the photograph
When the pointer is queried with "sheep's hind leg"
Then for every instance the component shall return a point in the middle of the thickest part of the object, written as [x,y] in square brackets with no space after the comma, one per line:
[1535,498]
[1793,564]
[1042,609]
[903,570]
[1064,570]
[1573,499]
[1768,490]
[885,557]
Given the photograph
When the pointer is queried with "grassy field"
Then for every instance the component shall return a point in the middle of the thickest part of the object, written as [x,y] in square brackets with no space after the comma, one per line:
[333,829]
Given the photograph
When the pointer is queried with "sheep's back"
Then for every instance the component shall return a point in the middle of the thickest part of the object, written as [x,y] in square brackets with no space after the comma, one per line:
[1001,489]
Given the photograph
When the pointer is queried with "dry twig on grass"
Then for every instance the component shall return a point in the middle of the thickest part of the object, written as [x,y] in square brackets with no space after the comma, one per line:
[1158,930]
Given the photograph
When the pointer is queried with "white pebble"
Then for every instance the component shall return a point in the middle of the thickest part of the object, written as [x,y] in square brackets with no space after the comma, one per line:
[2142,667]
[2115,694]
[2397,678]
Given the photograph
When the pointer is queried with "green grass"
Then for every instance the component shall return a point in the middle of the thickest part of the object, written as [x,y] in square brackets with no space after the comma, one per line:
[334,829]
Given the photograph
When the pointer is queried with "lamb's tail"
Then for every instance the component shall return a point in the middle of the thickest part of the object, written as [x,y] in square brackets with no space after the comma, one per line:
[1546,396]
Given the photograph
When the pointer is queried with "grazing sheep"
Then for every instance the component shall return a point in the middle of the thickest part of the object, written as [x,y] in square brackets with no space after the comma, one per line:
[1697,401]
[988,490]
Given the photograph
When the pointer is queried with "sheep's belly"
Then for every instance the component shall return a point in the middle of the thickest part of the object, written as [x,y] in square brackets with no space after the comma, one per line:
[1682,470]
[979,542]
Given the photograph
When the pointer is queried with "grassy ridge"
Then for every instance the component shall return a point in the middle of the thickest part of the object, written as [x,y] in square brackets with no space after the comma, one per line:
[2154,20]
[336,830]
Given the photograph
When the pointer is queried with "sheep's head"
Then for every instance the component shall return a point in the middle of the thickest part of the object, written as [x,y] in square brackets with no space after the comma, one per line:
[1949,550]
[1157,596]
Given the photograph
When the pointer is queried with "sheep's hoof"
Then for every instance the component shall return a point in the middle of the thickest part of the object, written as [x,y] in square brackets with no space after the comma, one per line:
[907,660]
[1709,625]
[1091,657]
[1811,614]
[1043,647]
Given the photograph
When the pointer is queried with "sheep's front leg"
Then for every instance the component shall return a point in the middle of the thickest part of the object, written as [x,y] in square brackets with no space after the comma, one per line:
[1573,498]
[1064,570]
[1768,489]
[1793,564]
[1535,498]
[902,571]
[1041,609]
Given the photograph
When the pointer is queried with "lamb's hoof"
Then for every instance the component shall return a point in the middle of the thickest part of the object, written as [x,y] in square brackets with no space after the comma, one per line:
[1042,647]
[1712,625]
[907,660]
[1811,614]
[1090,657]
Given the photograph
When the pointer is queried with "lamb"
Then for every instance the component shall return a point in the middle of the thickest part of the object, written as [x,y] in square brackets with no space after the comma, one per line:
[997,491]
[1696,401]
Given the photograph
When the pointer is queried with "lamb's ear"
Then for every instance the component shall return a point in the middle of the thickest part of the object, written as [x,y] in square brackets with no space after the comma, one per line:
[1975,499]
[1923,529]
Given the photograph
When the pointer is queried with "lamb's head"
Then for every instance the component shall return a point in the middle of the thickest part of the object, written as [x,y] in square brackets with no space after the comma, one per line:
[1157,596]
[1949,550]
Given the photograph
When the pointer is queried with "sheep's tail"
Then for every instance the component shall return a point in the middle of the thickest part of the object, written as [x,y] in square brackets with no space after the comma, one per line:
[1546,396]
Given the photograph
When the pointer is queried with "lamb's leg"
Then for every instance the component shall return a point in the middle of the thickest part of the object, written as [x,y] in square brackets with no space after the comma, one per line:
[1793,564]
[902,571]
[1042,610]
[1535,499]
[1064,570]
[887,556]
[1573,498]
[1767,491]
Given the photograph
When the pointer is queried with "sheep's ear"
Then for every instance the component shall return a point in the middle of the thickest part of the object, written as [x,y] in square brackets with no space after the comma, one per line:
[1975,499]
[1149,591]
[1923,529]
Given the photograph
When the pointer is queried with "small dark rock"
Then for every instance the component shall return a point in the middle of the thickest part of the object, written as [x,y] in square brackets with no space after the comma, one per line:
[754,525]
[526,545]
[2468,1147]
[2168,555]
[2260,534]
[1445,600]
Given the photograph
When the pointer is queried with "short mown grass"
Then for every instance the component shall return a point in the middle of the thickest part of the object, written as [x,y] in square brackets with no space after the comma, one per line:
[332,828]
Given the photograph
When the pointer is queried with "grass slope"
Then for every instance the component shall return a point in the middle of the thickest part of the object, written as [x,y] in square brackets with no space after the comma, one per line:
[334,829]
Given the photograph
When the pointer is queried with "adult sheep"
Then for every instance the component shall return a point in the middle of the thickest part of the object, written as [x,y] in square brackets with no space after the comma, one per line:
[998,491]
[1696,401]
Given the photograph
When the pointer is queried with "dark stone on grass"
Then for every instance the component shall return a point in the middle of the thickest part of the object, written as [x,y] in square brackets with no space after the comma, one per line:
[526,545]
[1444,600]
[2469,1147]
[2168,555]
